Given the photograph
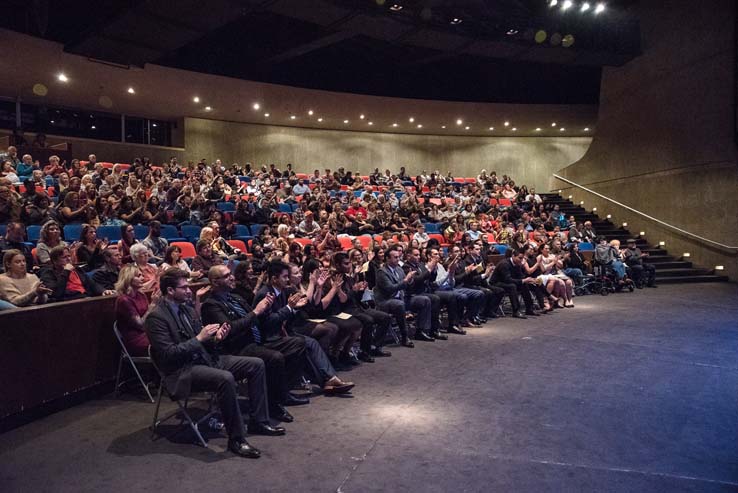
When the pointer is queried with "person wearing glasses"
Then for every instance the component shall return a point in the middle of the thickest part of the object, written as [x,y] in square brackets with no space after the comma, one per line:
[186,353]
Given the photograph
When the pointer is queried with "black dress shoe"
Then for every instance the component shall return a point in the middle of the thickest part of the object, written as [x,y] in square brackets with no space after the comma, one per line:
[349,360]
[279,413]
[381,353]
[439,336]
[532,313]
[422,336]
[455,329]
[241,447]
[366,357]
[408,343]
[265,429]
[480,321]
[293,400]
[519,315]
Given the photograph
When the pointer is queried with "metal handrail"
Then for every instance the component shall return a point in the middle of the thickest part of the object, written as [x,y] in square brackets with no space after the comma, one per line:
[671,226]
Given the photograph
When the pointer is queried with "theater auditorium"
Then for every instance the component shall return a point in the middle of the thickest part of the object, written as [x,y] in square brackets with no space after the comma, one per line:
[368,245]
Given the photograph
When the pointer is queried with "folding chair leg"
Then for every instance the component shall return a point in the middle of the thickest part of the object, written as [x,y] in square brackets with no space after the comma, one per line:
[140,379]
[192,424]
[117,375]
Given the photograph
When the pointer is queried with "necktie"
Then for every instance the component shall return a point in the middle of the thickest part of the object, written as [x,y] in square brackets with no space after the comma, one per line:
[236,307]
[203,355]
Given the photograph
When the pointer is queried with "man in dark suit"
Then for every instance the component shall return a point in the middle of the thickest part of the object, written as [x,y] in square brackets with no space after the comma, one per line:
[244,339]
[509,276]
[419,291]
[185,353]
[389,293]
[476,274]
[271,322]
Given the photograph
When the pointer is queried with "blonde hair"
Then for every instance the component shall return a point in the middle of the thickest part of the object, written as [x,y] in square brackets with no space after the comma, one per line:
[207,233]
[125,278]
[615,243]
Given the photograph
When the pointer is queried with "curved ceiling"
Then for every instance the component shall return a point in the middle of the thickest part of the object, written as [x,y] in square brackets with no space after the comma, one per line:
[462,50]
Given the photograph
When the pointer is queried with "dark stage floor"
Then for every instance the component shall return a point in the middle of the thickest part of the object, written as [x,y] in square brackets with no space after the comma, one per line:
[633,392]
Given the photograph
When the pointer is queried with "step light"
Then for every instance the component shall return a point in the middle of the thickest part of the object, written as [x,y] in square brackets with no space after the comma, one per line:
[686,255]
[719,267]
[662,243]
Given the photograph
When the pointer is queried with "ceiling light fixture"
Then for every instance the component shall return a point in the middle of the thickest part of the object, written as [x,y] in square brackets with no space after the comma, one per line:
[553,124]
[256,106]
[266,115]
[370,123]
[514,129]
[586,129]
[293,117]
[196,99]
[512,32]
[566,5]
[467,128]
[443,126]
[361,117]
[310,112]
[459,121]
[93,127]
[345,122]
[62,77]
[538,129]
[456,21]
[208,108]
[394,124]
[491,128]
[131,90]
[411,119]
[320,120]
[599,8]
[420,126]
[585,7]
[396,7]
[562,129]
[507,124]
[553,3]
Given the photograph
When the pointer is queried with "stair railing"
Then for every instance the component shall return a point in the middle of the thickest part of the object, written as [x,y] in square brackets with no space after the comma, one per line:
[643,214]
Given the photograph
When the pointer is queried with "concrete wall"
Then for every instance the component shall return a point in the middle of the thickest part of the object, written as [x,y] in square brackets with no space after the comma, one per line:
[665,137]
[529,160]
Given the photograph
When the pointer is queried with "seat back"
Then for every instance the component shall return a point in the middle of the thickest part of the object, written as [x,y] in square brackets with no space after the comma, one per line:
[140,231]
[192,232]
[237,244]
[112,233]
[188,249]
[72,232]
[169,231]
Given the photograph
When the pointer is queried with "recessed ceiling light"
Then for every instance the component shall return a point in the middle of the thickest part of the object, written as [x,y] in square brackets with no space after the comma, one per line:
[553,3]
[456,21]
[320,119]
[371,123]
[411,119]
[566,5]
[396,7]
[93,127]
[538,129]
[443,126]
[585,7]
[586,129]
[514,129]
[52,121]
[208,108]
[512,32]
[600,7]
[394,124]
[491,128]
[361,117]
[293,117]
[256,106]
[420,126]
[553,124]
[131,90]
[153,124]
[310,112]
[562,129]
[345,121]
[467,127]
[507,124]
[266,115]
[196,99]
[459,121]
[62,77]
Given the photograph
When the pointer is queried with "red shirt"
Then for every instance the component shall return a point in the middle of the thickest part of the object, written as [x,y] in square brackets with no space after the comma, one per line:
[74,283]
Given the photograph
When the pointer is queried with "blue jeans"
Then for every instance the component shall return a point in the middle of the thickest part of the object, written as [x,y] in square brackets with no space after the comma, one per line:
[575,274]
[5,305]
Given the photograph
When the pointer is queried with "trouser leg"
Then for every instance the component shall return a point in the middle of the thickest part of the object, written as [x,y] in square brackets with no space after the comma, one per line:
[276,375]
[421,306]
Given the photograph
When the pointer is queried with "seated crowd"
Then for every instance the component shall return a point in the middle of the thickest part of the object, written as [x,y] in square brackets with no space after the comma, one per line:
[290,272]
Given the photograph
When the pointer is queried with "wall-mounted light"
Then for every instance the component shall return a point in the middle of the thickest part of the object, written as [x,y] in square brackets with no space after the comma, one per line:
[662,243]
[686,255]
[594,209]
[609,216]
[642,233]
[719,267]
[625,225]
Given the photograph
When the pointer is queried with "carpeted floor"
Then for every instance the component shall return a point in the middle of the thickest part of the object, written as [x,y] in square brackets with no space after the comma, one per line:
[630,392]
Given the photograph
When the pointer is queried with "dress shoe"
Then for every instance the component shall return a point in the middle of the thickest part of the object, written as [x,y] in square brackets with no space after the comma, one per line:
[265,429]
[366,357]
[470,323]
[408,343]
[241,447]
[519,315]
[340,366]
[349,359]
[532,313]
[380,352]
[337,386]
[422,336]
[279,413]
[480,321]
[439,336]
[455,329]
[293,400]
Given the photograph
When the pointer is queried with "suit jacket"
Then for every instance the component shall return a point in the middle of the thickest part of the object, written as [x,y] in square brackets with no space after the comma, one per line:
[215,310]
[421,282]
[270,322]
[387,284]
[508,273]
[175,348]
[473,278]
[56,281]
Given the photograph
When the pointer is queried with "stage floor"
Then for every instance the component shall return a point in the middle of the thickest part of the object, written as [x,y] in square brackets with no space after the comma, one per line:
[630,392]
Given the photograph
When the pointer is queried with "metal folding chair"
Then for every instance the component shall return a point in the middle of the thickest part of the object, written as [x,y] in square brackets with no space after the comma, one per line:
[133,360]
[182,410]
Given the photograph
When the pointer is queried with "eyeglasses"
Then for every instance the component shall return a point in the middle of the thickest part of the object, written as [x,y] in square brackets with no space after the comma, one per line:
[187,287]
